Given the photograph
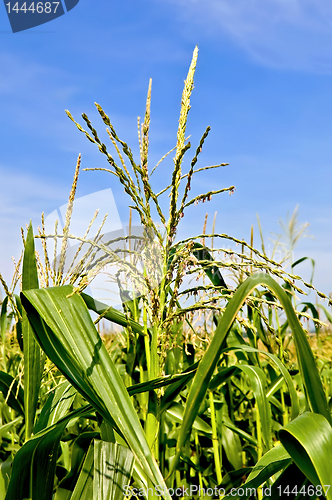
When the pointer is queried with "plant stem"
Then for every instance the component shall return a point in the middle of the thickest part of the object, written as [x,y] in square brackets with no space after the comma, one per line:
[215,441]
[259,434]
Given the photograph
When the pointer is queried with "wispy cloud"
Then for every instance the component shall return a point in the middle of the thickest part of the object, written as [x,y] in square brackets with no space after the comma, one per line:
[22,197]
[28,89]
[293,34]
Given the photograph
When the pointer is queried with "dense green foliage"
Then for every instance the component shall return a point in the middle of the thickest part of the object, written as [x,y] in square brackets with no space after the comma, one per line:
[202,390]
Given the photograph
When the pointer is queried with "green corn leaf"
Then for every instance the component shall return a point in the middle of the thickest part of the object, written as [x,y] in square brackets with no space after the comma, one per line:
[174,390]
[62,494]
[5,473]
[310,375]
[56,406]
[274,461]
[308,440]
[231,441]
[15,399]
[248,437]
[7,427]
[19,333]
[107,432]
[291,479]
[275,385]
[277,455]
[84,486]
[258,381]
[113,466]
[275,402]
[302,259]
[34,464]
[202,255]
[285,374]
[326,312]
[212,272]
[78,454]
[233,479]
[70,339]
[111,314]
[179,379]
[232,445]
[313,310]
[105,473]
[32,358]
[175,412]
[222,376]
[3,330]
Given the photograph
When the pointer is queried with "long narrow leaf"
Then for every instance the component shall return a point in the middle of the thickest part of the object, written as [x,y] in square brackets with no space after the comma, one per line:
[72,342]
[281,367]
[113,465]
[212,272]
[291,479]
[56,406]
[274,461]
[7,427]
[111,313]
[5,472]
[84,486]
[309,372]
[79,451]
[308,440]
[34,464]
[31,350]
[11,392]
[258,381]
[3,330]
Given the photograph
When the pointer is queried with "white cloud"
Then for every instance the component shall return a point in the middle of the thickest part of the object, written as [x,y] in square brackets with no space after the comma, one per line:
[292,34]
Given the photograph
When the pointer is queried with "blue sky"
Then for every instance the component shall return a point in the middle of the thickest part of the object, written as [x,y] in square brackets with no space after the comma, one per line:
[263,83]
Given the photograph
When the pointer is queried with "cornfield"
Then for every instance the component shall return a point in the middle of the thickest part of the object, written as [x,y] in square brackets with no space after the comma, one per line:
[205,383]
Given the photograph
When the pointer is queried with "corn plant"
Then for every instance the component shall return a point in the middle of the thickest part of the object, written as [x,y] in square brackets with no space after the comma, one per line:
[197,395]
